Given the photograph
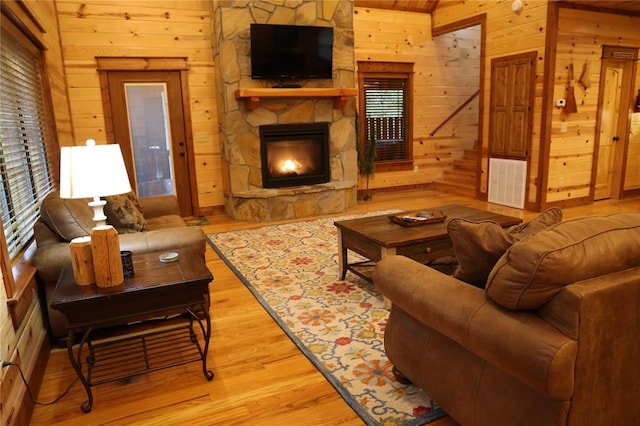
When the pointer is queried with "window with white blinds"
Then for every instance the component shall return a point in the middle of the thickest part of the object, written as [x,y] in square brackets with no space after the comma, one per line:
[385,101]
[24,173]
[385,108]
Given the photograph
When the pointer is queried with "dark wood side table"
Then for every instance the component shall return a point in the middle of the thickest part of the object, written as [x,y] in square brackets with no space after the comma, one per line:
[155,289]
[375,237]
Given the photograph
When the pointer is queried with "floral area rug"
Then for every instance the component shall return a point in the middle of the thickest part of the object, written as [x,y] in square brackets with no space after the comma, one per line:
[292,269]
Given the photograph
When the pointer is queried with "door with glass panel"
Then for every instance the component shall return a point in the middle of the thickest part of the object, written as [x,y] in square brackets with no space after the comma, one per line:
[148,123]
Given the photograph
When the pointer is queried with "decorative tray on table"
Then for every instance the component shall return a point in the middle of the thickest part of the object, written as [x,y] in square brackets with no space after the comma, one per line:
[419,218]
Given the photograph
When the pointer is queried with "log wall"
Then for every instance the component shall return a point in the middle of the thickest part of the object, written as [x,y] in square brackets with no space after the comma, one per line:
[507,33]
[446,74]
[122,28]
[564,159]
[581,36]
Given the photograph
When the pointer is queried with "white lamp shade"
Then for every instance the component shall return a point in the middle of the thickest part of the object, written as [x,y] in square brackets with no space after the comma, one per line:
[92,171]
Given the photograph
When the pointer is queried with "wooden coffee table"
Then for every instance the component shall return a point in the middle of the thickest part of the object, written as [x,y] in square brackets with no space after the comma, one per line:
[375,237]
[155,290]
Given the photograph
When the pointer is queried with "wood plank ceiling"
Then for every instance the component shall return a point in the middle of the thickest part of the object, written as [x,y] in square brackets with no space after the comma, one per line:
[428,6]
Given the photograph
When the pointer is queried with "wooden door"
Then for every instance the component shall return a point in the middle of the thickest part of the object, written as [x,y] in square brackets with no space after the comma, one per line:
[512,84]
[153,146]
[612,135]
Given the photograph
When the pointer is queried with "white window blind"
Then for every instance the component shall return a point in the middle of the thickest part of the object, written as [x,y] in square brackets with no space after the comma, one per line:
[24,172]
[386,118]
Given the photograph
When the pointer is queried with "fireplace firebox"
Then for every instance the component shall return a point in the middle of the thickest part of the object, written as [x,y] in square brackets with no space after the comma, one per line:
[294,154]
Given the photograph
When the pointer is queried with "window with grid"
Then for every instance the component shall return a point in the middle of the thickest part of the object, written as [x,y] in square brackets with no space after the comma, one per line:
[385,108]
[24,172]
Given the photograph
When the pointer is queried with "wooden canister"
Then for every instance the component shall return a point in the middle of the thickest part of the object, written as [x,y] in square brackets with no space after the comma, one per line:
[105,248]
[82,260]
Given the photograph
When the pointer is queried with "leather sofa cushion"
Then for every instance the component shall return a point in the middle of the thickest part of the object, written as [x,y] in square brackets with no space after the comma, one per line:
[478,245]
[69,218]
[535,269]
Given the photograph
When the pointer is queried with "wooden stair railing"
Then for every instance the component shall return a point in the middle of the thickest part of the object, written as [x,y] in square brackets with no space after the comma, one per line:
[453,114]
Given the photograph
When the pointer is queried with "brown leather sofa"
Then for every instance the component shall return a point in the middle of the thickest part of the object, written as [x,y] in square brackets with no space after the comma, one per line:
[159,228]
[553,339]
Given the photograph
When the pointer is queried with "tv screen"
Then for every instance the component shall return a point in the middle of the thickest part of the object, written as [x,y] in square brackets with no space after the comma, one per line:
[290,52]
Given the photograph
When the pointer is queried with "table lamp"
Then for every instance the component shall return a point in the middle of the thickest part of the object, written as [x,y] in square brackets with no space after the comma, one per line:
[95,171]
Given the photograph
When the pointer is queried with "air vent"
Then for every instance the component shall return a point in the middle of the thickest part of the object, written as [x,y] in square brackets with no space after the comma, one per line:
[507,180]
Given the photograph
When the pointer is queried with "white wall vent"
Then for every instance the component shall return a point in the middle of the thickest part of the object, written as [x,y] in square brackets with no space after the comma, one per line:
[507,179]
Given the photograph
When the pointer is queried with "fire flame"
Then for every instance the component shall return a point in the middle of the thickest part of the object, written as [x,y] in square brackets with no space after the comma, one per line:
[290,166]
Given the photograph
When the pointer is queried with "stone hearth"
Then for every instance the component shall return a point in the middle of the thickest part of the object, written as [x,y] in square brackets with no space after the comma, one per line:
[245,196]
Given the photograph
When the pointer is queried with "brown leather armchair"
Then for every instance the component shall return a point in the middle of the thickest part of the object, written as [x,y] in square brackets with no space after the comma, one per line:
[553,339]
[62,220]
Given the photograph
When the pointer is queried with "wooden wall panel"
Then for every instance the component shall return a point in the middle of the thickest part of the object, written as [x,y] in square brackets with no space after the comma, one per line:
[45,13]
[581,36]
[507,34]
[122,28]
[446,73]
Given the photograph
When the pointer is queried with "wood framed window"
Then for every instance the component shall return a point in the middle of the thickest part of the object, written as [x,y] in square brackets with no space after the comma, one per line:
[385,110]
[26,140]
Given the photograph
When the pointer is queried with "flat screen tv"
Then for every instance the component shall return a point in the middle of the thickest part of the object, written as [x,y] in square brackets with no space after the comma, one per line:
[291,52]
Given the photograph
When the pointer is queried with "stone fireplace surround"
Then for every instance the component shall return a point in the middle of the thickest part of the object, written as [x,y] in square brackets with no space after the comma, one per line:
[245,197]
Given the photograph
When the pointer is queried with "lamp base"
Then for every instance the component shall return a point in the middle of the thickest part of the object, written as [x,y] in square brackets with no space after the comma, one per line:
[82,260]
[107,264]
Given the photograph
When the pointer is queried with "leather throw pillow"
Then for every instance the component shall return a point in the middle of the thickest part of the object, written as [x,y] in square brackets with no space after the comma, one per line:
[477,246]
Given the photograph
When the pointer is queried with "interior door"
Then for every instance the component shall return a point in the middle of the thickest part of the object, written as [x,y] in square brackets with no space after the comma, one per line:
[512,84]
[615,86]
[149,124]
[609,115]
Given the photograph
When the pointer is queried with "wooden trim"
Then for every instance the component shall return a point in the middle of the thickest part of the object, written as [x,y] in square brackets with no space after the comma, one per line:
[572,202]
[551,42]
[454,113]
[106,107]
[5,265]
[386,68]
[458,25]
[191,162]
[590,8]
[394,166]
[130,63]
[18,13]
[619,53]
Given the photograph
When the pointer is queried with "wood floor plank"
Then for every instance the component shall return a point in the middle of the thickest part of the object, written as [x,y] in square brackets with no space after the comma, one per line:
[261,378]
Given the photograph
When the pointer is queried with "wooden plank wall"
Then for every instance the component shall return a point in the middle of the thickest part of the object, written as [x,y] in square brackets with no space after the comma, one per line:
[144,28]
[507,33]
[581,36]
[446,73]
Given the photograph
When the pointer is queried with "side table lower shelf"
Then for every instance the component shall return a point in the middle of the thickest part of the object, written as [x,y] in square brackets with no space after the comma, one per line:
[116,359]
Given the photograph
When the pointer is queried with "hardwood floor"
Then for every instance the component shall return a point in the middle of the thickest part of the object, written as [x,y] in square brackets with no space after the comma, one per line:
[261,378]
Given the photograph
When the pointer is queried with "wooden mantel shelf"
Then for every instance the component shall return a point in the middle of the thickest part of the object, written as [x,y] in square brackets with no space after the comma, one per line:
[252,96]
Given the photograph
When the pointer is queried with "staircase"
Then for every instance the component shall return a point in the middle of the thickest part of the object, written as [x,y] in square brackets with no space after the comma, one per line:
[461,179]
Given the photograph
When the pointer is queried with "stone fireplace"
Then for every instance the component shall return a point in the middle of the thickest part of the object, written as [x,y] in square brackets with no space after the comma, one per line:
[294,154]
[249,193]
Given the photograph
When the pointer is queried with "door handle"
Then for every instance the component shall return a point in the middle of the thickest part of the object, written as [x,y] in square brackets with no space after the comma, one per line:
[616,139]
[182,154]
